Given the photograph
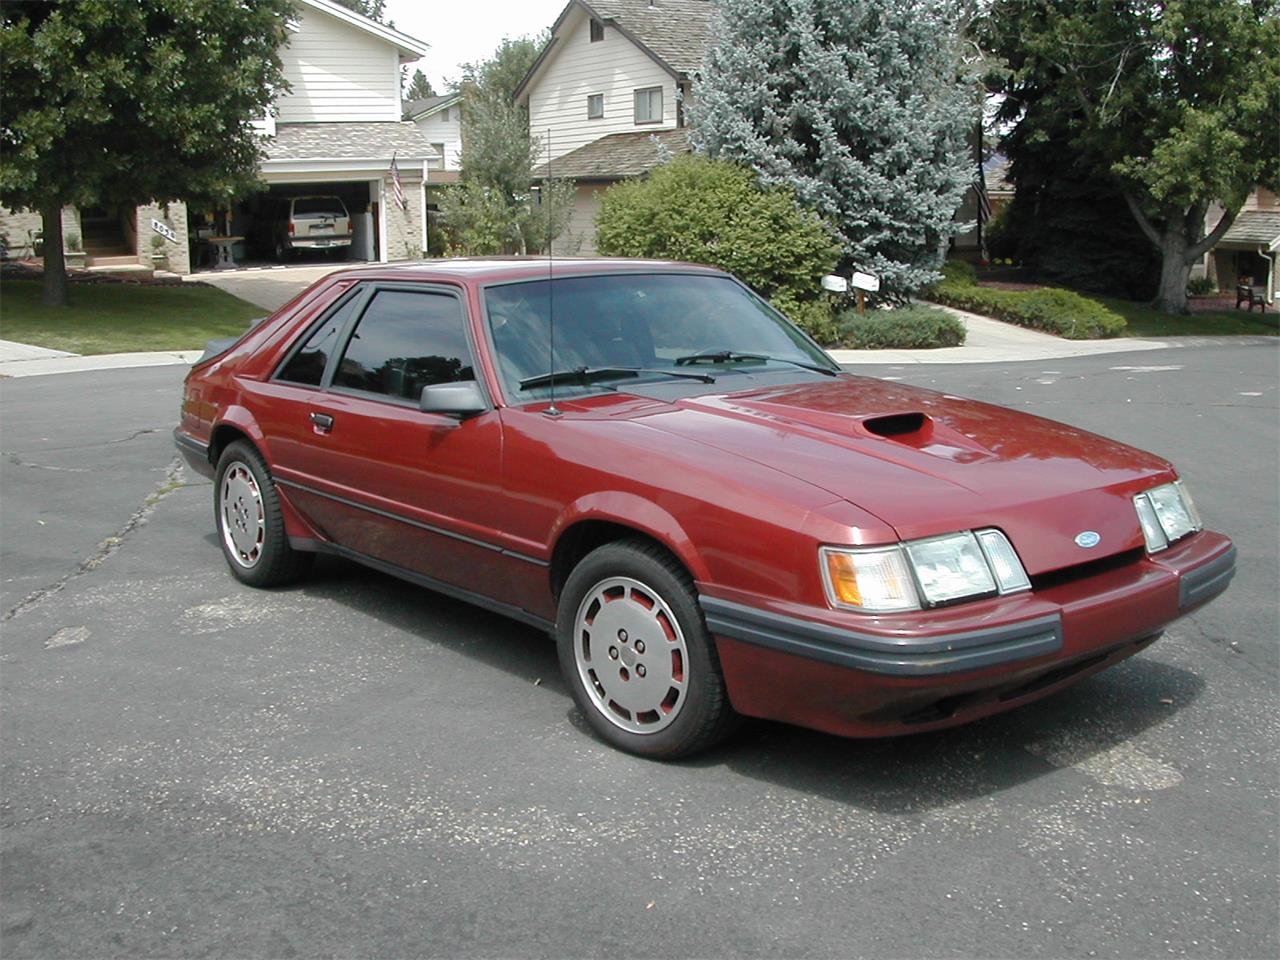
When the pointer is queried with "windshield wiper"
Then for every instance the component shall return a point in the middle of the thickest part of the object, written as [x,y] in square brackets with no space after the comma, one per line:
[587,375]
[731,356]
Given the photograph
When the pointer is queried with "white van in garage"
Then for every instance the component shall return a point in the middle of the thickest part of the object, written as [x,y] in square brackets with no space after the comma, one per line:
[310,223]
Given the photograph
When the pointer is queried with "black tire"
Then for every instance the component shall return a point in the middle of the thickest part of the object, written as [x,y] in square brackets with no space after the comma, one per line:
[679,656]
[250,525]
[283,251]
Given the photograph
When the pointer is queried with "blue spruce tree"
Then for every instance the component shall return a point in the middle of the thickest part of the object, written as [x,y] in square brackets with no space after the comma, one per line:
[863,107]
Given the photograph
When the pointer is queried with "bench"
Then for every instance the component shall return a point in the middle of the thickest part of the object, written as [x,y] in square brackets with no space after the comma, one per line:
[1251,295]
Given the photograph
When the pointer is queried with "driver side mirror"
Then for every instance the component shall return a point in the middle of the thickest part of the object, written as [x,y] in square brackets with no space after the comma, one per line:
[461,400]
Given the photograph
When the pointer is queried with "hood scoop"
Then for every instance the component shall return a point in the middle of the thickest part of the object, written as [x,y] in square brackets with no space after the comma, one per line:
[896,425]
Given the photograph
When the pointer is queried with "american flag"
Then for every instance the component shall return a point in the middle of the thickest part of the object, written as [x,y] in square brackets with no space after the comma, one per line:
[396,188]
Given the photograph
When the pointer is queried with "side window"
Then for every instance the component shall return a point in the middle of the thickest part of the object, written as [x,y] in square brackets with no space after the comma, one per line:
[307,365]
[649,105]
[406,341]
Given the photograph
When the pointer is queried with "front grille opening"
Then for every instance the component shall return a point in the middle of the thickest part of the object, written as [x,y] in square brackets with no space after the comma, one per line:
[895,424]
[1081,571]
[1052,677]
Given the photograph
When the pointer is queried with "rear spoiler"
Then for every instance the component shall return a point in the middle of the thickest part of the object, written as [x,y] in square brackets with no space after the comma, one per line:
[215,348]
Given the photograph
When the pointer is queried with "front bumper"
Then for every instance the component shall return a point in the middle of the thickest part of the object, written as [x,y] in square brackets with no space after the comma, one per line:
[873,676]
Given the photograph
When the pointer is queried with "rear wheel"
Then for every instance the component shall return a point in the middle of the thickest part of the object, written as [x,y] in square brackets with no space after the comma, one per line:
[250,523]
[635,651]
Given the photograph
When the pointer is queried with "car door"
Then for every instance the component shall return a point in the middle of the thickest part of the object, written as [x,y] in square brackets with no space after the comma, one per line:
[356,456]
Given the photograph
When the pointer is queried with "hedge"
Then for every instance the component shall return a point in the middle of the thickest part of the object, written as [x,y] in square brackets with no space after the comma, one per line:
[1061,312]
[713,212]
[903,328]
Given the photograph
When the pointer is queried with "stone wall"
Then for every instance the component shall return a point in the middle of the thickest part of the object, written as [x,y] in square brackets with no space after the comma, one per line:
[19,225]
[404,227]
[174,215]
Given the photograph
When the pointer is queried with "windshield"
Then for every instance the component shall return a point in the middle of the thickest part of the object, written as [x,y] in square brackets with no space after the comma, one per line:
[318,207]
[650,322]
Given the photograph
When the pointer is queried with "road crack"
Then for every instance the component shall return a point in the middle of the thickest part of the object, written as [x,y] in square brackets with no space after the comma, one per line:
[173,480]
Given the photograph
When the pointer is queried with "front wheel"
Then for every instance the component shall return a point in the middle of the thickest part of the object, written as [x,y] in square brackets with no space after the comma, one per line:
[635,651]
[250,523]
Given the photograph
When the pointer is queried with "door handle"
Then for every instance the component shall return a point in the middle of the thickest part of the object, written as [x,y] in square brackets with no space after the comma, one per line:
[322,422]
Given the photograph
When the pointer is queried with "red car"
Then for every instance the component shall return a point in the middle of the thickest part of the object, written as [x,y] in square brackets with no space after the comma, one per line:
[713,520]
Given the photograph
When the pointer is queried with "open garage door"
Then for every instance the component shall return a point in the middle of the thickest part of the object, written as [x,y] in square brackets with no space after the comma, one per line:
[271,218]
[262,218]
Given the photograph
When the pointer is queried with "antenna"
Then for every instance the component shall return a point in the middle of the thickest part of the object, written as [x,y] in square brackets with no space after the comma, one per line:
[553,410]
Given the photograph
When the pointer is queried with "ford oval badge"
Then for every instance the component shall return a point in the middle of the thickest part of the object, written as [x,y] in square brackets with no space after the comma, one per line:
[1087,539]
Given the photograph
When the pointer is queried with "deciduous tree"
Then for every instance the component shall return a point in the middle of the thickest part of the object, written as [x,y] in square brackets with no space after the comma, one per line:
[1174,103]
[122,103]
[494,210]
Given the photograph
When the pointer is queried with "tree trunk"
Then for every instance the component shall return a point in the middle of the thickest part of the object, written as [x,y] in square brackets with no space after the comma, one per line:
[1175,271]
[53,292]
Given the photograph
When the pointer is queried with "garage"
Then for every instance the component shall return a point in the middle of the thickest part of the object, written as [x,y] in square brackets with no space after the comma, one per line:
[376,169]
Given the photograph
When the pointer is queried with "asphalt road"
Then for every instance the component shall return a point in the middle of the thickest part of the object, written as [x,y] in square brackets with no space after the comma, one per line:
[358,767]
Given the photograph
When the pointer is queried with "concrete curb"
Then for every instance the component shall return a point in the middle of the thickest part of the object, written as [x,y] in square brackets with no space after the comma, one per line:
[41,366]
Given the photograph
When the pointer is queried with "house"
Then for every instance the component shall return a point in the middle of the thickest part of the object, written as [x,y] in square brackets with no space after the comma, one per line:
[607,96]
[334,132]
[439,120]
[1249,252]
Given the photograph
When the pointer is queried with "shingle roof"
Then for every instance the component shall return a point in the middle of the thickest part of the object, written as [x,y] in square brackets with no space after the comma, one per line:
[676,30]
[675,33]
[1254,228]
[617,156]
[349,141]
[416,108]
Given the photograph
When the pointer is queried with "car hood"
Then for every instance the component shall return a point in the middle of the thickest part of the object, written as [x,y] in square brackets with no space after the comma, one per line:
[927,463]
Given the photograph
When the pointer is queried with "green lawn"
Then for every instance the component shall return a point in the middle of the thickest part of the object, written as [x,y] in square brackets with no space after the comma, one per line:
[1145,322]
[122,317]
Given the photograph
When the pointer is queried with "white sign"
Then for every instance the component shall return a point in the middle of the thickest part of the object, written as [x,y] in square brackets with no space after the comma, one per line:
[164,230]
[866,281]
[835,284]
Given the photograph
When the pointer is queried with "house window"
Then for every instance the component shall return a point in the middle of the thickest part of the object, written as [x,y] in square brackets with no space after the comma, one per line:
[595,106]
[649,105]
[444,115]
[597,31]
[438,164]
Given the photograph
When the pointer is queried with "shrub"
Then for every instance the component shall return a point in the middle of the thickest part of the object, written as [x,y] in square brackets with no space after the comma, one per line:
[1201,286]
[713,212]
[905,328]
[1061,312]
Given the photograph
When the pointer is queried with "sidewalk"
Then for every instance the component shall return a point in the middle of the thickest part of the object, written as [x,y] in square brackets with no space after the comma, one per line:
[987,341]
[23,360]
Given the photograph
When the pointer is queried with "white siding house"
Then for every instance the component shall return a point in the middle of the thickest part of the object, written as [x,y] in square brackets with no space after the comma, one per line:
[340,67]
[335,132]
[607,90]
[439,120]
[576,70]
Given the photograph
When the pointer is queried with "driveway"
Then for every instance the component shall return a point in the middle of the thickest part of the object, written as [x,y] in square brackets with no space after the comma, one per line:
[359,767]
[268,287]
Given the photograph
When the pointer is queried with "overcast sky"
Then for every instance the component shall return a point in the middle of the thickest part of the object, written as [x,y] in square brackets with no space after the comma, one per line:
[463,31]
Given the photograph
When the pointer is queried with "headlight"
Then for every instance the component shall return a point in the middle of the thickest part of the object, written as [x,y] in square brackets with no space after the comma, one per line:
[922,573]
[1166,513]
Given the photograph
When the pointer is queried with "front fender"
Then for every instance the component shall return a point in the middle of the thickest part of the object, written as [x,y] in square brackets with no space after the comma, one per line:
[630,510]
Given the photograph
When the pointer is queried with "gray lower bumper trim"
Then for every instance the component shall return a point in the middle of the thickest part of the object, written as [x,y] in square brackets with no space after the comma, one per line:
[185,442]
[949,653]
[1205,583]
